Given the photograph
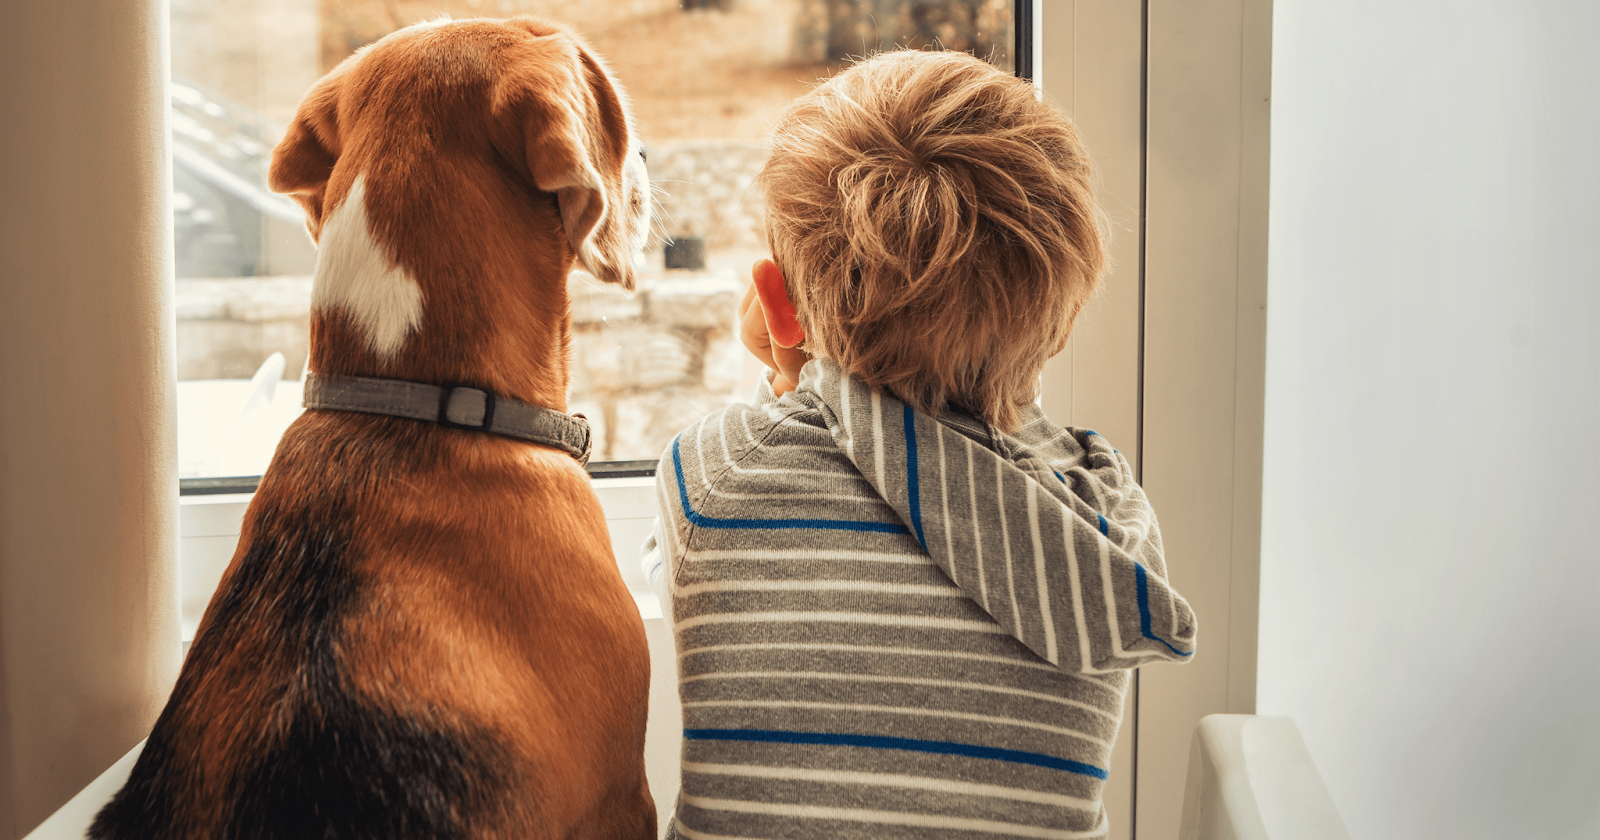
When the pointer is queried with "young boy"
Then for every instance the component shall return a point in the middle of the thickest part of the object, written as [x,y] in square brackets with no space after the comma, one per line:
[906,604]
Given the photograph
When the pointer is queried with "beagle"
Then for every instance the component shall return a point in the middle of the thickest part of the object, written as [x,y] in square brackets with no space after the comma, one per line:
[423,633]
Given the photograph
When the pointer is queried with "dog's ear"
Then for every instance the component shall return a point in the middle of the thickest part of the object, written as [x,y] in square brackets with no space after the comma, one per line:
[559,160]
[303,161]
[576,144]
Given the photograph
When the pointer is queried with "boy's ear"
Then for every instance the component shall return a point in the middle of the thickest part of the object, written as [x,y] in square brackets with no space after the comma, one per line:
[783,325]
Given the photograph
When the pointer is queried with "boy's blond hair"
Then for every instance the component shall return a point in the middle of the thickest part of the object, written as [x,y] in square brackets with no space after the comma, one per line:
[937,228]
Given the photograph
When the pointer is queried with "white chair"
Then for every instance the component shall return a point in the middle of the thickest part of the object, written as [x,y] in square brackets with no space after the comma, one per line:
[1251,778]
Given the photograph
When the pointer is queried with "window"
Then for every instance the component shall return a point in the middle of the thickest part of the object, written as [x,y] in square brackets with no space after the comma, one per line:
[704,81]
[705,77]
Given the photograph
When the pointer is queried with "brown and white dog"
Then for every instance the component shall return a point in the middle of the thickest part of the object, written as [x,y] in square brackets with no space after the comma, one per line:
[424,633]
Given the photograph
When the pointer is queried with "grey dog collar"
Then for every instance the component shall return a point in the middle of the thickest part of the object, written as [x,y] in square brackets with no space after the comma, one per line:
[455,406]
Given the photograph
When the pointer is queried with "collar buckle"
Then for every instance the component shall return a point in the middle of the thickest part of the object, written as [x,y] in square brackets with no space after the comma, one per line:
[465,407]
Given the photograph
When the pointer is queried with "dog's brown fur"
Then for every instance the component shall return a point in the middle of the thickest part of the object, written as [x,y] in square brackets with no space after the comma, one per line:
[424,632]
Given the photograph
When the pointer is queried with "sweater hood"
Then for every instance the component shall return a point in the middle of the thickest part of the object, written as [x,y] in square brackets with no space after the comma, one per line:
[1045,529]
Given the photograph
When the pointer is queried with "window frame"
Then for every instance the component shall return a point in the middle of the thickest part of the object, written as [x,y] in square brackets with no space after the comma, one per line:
[1024,50]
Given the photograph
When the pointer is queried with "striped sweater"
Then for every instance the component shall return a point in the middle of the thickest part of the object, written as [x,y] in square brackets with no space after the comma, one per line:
[892,625]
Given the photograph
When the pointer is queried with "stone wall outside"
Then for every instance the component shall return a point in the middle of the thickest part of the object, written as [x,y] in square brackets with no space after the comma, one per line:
[647,366]
[707,189]
[228,327]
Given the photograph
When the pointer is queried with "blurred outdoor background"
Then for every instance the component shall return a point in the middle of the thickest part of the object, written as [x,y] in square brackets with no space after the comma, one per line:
[705,78]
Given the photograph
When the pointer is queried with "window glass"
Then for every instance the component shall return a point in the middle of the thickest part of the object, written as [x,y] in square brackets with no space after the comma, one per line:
[705,78]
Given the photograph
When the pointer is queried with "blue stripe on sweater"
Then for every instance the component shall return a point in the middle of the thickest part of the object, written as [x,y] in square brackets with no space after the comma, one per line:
[1144,610]
[880,742]
[771,524]
[911,474]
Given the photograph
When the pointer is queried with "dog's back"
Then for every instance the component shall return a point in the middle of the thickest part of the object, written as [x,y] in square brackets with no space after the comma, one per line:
[423,633]
[369,675]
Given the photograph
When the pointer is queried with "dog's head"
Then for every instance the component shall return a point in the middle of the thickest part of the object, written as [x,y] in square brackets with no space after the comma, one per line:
[462,152]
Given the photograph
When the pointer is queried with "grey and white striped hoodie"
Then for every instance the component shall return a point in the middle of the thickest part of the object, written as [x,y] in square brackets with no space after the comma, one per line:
[892,625]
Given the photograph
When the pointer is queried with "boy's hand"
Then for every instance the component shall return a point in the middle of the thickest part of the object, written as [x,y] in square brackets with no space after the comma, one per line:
[784,362]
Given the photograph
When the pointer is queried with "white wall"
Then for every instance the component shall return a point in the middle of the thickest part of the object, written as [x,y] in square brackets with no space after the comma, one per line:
[1432,465]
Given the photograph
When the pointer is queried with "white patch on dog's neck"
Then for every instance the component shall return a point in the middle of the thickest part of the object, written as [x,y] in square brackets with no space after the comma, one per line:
[354,273]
